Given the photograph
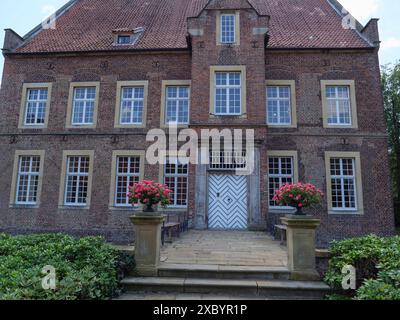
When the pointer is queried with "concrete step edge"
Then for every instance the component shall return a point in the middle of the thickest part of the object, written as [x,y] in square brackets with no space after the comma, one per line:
[264,284]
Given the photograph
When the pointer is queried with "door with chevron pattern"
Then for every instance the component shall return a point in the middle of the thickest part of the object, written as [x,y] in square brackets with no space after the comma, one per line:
[227,202]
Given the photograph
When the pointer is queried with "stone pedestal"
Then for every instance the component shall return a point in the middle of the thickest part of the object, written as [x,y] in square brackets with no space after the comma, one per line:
[301,246]
[148,243]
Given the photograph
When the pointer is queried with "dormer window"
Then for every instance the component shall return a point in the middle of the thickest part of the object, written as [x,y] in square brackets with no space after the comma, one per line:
[126,36]
[228,29]
[124,39]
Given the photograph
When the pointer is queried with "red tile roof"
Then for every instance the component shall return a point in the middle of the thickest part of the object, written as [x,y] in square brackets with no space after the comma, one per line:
[88,25]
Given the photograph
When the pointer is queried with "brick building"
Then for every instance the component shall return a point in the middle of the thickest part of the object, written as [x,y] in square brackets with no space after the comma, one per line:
[77,102]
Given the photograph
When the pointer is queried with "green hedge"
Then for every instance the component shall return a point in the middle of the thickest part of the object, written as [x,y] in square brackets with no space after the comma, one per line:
[377,263]
[86,268]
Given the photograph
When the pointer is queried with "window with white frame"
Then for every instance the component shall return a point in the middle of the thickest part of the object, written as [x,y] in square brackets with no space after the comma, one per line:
[338,102]
[176,178]
[279,105]
[83,105]
[77,180]
[35,110]
[28,180]
[127,173]
[343,183]
[132,104]
[228,28]
[177,104]
[228,87]
[280,172]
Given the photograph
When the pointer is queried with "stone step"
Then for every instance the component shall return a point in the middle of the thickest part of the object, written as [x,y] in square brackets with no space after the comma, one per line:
[223,272]
[271,289]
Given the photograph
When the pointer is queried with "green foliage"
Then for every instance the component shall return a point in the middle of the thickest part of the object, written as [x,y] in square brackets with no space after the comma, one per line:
[391,94]
[86,268]
[377,263]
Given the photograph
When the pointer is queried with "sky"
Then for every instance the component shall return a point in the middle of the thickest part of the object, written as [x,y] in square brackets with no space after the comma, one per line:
[32,12]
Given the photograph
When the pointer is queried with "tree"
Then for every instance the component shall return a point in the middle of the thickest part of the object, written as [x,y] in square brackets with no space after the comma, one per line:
[391,94]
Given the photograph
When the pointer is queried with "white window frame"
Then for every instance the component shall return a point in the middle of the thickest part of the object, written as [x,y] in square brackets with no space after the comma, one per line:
[279,100]
[85,100]
[30,174]
[77,174]
[176,175]
[343,177]
[227,87]
[280,176]
[36,102]
[130,178]
[222,16]
[176,99]
[133,100]
[337,101]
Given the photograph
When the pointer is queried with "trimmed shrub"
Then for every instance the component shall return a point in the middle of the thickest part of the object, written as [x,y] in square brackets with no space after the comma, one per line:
[377,263]
[86,268]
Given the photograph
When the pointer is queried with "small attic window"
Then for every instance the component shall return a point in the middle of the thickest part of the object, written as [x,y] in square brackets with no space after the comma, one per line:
[124,39]
[125,36]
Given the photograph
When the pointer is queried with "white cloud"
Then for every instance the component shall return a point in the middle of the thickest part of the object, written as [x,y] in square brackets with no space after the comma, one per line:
[362,10]
[390,43]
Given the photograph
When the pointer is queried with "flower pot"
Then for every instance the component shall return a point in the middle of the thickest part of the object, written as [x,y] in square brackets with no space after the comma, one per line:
[299,212]
[149,208]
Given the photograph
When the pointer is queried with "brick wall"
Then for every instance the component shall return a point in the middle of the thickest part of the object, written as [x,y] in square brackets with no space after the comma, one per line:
[307,68]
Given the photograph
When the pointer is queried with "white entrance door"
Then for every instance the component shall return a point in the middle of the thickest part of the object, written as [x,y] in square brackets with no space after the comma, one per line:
[227,202]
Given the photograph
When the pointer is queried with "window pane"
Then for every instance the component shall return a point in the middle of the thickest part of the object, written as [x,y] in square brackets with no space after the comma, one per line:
[83,106]
[228,93]
[36,107]
[338,105]
[279,105]
[77,180]
[228,28]
[177,105]
[343,184]
[280,172]
[132,104]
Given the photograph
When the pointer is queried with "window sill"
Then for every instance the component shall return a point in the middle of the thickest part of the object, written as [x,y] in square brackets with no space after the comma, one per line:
[230,116]
[281,126]
[130,126]
[130,209]
[81,127]
[77,208]
[24,206]
[345,213]
[281,211]
[173,209]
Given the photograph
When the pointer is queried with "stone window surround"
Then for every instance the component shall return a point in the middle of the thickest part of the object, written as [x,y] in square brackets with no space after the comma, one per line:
[13,193]
[72,153]
[359,187]
[353,103]
[237,27]
[115,155]
[23,107]
[121,84]
[284,153]
[172,83]
[72,87]
[293,105]
[238,68]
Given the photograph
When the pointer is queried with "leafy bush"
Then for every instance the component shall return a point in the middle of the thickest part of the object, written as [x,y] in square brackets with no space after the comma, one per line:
[377,263]
[86,268]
